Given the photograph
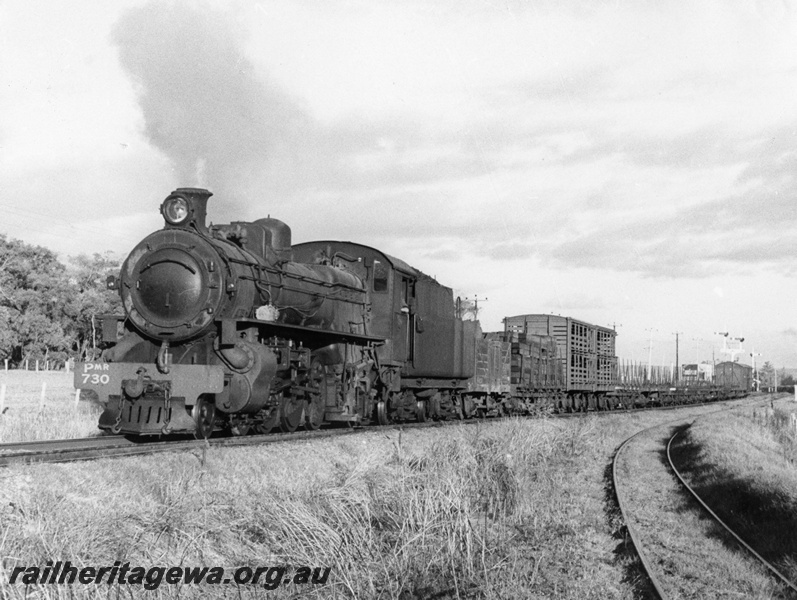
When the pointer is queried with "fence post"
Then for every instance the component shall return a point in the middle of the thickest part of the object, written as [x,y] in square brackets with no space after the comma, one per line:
[44,393]
[77,396]
[6,361]
[66,366]
[26,364]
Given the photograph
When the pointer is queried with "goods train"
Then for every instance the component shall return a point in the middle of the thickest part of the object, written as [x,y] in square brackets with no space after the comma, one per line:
[232,327]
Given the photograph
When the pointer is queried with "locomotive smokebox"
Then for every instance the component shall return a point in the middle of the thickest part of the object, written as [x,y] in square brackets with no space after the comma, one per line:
[186,207]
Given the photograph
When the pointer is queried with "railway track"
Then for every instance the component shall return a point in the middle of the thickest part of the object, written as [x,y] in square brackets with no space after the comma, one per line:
[656,542]
[82,449]
[766,564]
[55,451]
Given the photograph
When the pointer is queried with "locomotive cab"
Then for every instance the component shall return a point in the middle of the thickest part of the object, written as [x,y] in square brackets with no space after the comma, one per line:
[428,352]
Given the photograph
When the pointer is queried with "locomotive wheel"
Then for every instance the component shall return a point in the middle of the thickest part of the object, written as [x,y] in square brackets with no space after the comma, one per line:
[381,413]
[291,411]
[268,424]
[204,413]
[314,413]
[420,411]
[240,429]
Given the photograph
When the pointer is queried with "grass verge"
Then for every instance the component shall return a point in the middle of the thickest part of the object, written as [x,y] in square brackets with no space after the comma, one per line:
[743,465]
[25,417]
[510,509]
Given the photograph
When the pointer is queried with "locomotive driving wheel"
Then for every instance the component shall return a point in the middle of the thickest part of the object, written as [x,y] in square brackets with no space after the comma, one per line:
[291,411]
[204,413]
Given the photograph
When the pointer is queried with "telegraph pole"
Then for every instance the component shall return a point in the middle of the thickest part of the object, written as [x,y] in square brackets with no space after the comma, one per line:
[677,360]
[753,354]
[650,351]
[476,306]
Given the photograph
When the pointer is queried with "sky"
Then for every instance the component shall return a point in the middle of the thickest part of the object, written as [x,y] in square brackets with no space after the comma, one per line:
[628,164]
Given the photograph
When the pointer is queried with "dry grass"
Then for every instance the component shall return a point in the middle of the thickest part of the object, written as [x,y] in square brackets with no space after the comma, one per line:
[26,418]
[742,463]
[689,556]
[781,422]
[515,509]
[451,512]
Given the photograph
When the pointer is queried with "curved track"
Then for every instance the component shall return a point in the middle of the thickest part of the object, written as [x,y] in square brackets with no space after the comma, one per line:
[632,533]
[720,522]
[641,550]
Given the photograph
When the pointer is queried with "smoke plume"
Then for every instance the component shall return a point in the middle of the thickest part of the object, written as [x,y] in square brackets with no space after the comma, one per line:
[222,125]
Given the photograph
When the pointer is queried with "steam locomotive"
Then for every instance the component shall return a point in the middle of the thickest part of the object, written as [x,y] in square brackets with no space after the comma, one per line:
[231,327]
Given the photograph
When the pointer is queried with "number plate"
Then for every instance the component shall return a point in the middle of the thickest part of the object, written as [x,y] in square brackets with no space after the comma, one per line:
[187,381]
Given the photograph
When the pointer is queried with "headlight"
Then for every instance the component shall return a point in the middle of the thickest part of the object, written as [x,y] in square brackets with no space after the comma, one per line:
[175,210]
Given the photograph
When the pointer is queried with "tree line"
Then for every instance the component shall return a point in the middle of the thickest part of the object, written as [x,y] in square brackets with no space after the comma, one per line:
[770,377]
[48,309]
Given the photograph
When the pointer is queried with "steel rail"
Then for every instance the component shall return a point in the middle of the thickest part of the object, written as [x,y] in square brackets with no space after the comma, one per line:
[716,518]
[632,533]
[81,449]
[622,505]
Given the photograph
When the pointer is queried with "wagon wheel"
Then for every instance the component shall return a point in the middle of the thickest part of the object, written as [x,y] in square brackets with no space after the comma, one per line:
[290,414]
[204,413]
[466,407]
[314,412]
[382,417]
[420,411]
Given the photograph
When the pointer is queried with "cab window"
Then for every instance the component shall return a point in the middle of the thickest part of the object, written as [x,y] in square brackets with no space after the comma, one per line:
[380,276]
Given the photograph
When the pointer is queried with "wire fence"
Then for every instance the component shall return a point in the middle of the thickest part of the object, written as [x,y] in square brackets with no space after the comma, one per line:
[40,365]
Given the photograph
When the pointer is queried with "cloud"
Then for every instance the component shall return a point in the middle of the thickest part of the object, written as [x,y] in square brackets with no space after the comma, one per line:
[223,125]
[571,168]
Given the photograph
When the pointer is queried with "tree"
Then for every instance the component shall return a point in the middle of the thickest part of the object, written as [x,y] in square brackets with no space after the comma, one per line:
[784,379]
[46,310]
[766,374]
[91,298]
[31,289]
